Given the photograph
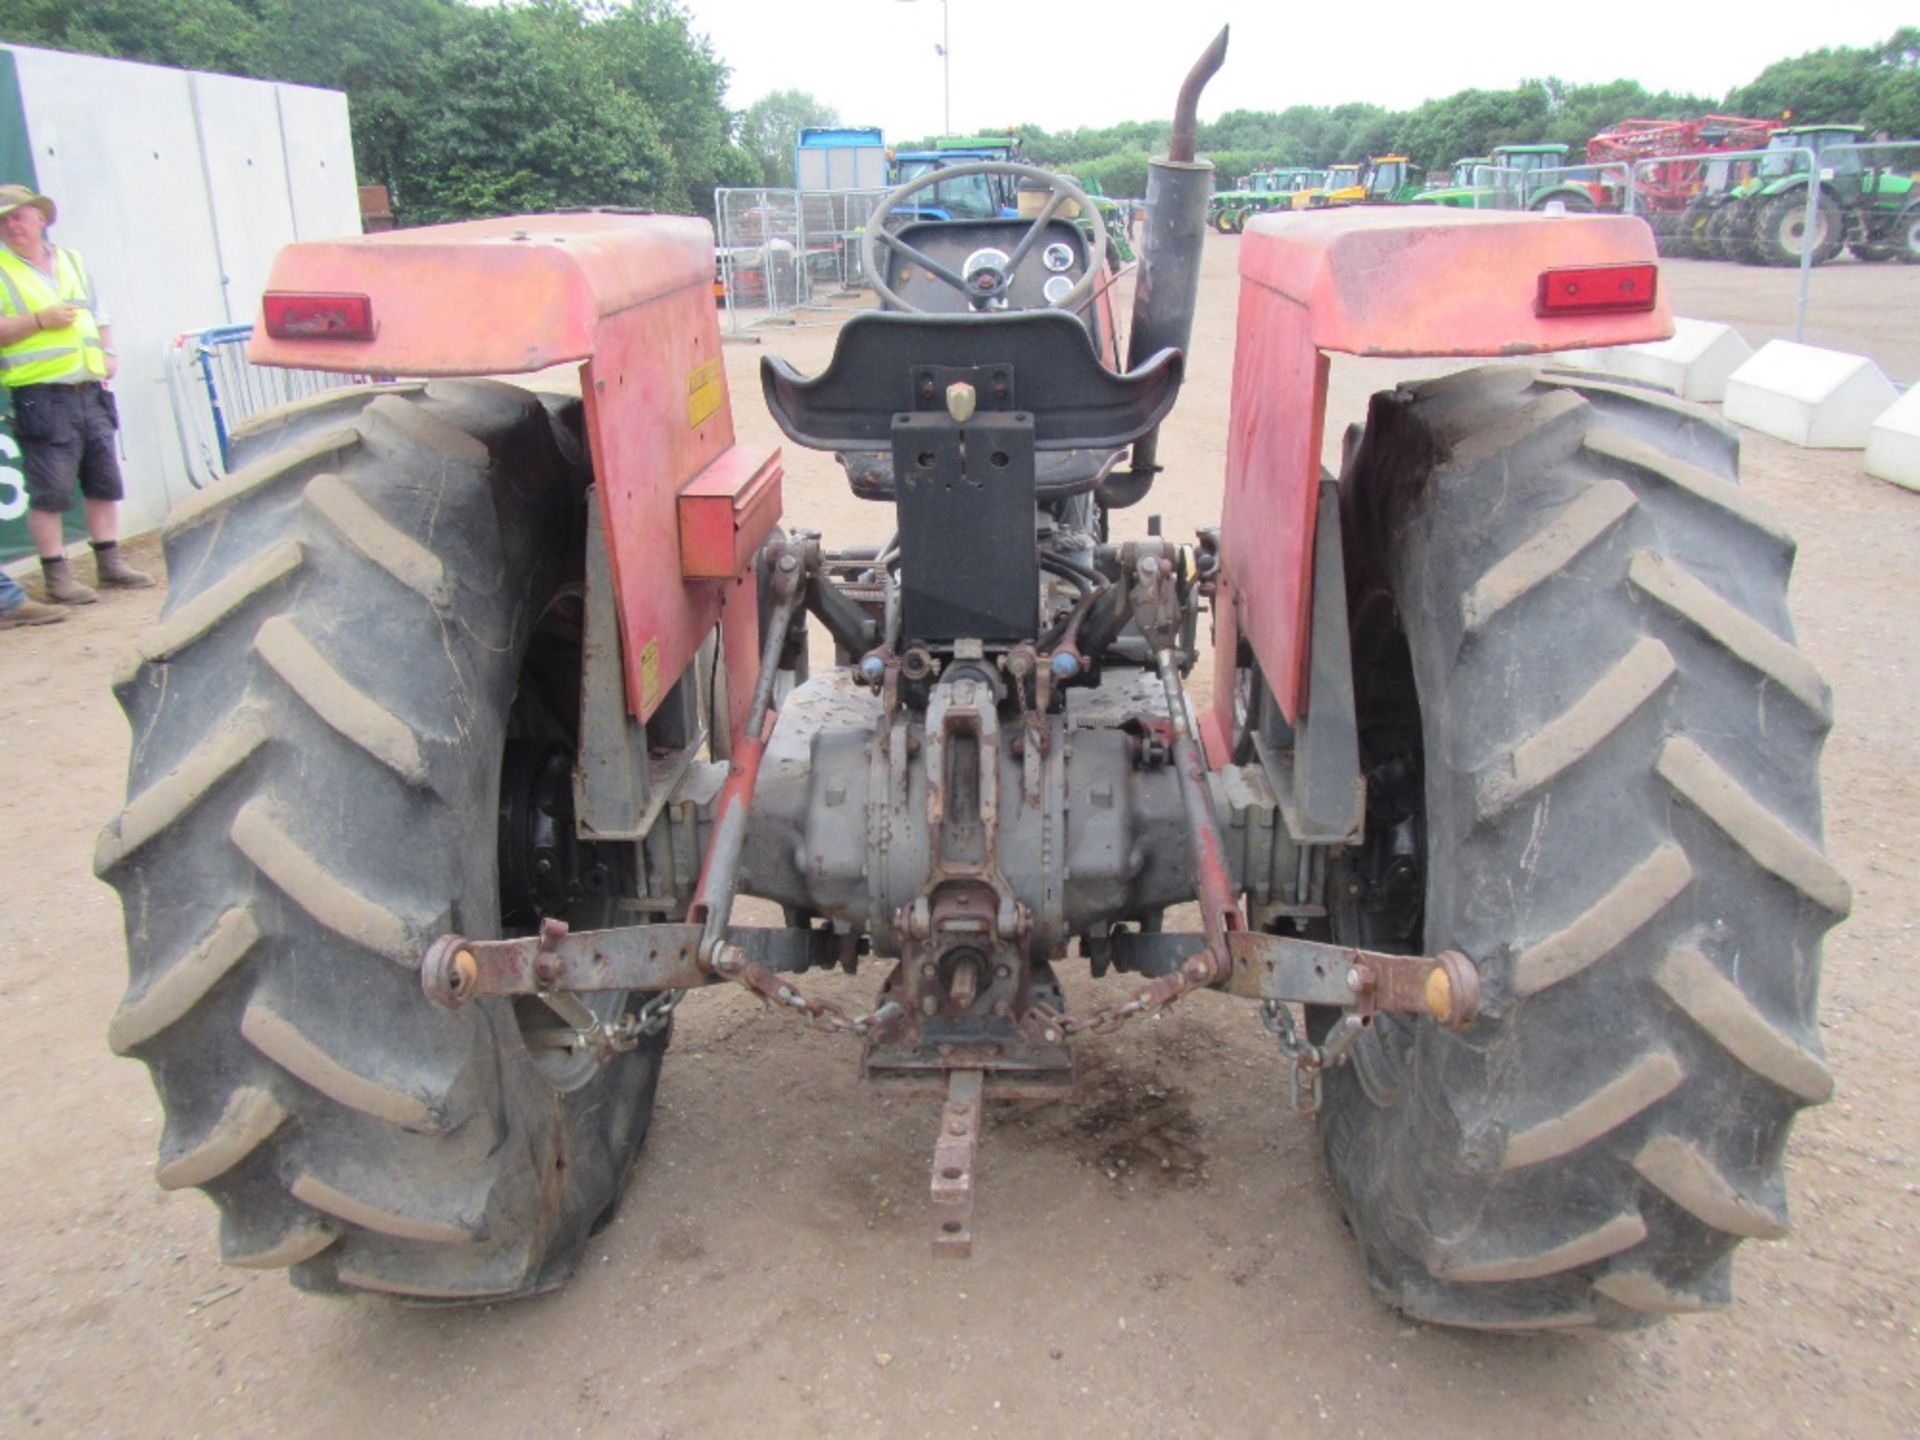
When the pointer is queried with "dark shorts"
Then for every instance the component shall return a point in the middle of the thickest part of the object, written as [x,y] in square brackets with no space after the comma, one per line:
[66,433]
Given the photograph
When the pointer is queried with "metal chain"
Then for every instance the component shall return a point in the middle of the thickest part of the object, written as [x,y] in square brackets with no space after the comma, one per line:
[654,1016]
[730,963]
[607,1038]
[824,1015]
[1308,1063]
[1305,1062]
[1148,1000]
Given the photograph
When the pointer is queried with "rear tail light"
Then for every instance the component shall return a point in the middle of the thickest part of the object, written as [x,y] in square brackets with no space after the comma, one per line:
[293,316]
[1597,289]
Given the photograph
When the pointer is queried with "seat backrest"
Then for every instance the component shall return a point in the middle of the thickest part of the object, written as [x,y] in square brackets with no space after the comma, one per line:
[1037,362]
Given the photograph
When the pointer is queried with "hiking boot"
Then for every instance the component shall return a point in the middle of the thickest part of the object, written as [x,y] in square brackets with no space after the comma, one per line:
[114,571]
[62,588]
[31,612]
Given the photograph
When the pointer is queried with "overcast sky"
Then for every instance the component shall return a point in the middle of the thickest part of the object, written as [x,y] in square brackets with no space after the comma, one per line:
[1063,63]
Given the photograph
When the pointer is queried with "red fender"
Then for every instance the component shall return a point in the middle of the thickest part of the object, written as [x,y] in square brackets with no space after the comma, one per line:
[629,299]
[1398,281]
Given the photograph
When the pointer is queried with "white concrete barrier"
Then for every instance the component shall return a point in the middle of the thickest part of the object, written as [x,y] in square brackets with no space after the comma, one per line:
[1821,399]
[1893,442]
[1694,364]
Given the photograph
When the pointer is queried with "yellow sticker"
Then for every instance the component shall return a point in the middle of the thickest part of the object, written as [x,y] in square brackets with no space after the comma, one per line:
[706,392]
[650,673]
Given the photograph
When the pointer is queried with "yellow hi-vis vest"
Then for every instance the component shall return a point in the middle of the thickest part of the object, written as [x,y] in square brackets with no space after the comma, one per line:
[50,357]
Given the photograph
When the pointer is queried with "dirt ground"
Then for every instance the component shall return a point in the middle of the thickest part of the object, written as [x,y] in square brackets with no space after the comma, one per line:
[1160,1256]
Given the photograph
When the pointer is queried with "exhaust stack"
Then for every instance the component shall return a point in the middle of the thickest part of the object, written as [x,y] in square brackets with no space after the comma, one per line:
[1168,280]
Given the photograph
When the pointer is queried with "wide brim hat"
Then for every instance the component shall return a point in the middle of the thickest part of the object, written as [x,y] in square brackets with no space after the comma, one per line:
[12,197]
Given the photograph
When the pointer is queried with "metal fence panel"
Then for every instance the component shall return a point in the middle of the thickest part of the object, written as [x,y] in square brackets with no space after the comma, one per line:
[758,263]
[214,388]
[779,252]
[1795,160]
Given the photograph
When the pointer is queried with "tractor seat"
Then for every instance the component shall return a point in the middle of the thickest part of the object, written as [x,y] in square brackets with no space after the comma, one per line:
[1033,362]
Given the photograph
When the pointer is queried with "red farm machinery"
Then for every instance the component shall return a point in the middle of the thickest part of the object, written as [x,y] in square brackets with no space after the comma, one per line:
[476,703]
[1677,196]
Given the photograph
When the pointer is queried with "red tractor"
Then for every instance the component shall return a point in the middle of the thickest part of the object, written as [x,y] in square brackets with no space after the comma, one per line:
[474,707]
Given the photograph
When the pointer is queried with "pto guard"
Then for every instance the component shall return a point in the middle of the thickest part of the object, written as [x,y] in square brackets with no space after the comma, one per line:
[629,297]
[1387,282]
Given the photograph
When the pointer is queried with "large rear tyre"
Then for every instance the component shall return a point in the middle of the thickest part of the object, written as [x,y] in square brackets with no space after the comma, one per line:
[1782,236]
[1693,242]
[1906,235]
[1668,238]
[1725,232]
[365,676]
[1587,730]
[1573,202]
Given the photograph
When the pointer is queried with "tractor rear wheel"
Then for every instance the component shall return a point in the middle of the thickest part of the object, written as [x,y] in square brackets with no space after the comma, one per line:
[1781,234]
[1906,234]
[1587,730]
[1573,202]
[354,715]
[1690,233]
[1668,239]
[1724,232]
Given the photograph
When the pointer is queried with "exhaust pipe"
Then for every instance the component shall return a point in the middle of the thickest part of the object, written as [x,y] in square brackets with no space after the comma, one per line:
[1168,280]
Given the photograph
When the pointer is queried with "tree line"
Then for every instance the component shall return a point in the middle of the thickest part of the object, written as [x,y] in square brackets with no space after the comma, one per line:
[1877,86]
[461,110]
[464,109]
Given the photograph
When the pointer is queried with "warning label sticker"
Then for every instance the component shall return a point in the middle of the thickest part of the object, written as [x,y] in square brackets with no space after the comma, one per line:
[650,673]
[706,392]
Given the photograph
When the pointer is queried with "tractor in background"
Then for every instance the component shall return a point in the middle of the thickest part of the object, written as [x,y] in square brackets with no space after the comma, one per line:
[1260,192]
[1391,181]
[1461,186]
[1521,177]
[1344,184]
[971,197]
[477,702]
[1664,190]
[1223,204]
[1872,209]
[1691,233]
[1539,176]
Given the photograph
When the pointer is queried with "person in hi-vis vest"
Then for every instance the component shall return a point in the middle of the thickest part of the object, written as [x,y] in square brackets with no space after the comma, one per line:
[56,357]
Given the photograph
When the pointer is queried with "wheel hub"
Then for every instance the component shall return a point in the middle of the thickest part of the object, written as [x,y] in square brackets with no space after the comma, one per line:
[545,870]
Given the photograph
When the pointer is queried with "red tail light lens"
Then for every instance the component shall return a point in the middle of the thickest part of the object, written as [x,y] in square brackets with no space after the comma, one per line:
[318,317]
[1597,290]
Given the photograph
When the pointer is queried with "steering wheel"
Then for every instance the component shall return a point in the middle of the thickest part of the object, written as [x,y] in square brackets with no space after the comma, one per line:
[989,281]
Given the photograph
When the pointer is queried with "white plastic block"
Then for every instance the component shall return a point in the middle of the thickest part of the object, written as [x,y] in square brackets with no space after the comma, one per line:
[1822,399]
[1893,442]
[1694,364]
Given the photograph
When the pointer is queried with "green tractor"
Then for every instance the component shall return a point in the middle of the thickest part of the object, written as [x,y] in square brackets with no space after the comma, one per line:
[1390,180]
[1470,177]
[1870,209]
[1223,204]
[1382,180]
[1260,192]
[1519,177]
[1689,237]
